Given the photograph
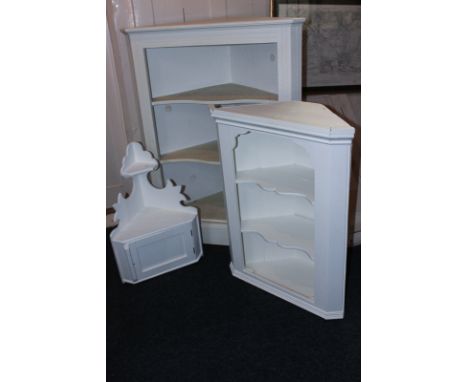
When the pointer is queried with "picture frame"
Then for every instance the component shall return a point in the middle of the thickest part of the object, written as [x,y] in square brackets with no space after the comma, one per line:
[331,40]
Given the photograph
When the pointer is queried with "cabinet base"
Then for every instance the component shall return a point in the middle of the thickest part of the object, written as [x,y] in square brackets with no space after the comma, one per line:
[128,281]
[278,292]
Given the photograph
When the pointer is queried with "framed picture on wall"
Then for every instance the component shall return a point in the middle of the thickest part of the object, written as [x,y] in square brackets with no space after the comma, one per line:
[332,39]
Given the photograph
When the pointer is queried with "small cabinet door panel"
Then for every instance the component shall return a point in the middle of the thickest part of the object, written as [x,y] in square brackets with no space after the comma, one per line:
[155,255]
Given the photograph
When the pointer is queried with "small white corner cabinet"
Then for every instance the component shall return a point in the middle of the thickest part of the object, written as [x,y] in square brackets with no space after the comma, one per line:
[286,169]
[183,71]
[156,234]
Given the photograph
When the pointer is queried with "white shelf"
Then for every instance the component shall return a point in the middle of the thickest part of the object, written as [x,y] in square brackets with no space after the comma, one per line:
[289,180]
[205,153]
[293,273]
[219,94]
[290,231]
[212,208]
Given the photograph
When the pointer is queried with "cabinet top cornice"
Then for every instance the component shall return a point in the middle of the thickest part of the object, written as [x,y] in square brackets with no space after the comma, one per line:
[220,23]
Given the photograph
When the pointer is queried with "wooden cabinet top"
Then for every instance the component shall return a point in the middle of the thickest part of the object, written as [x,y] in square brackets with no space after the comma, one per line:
[220,23]
[305,118]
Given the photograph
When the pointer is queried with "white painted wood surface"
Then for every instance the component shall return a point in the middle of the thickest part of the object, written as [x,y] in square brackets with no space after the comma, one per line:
[286,231]
[295,117]
[188,124]
[290,179]
[122,14]
[173,70]
[278,265]
[116,138]
[292,244]
[199,179]
[155,232]
[224,22]
[206,153]
[119,16]
[348,106]
[182,70]
[256,203]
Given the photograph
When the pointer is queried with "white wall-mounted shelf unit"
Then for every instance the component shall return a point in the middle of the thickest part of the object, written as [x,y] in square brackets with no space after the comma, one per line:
[286,169]
[156,234]
[185,70]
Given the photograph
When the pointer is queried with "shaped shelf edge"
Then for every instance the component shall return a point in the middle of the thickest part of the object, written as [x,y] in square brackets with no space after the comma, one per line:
[275,230]
[292,180]
[228,93]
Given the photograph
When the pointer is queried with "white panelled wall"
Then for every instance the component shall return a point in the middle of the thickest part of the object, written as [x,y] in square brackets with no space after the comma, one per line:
[116,138]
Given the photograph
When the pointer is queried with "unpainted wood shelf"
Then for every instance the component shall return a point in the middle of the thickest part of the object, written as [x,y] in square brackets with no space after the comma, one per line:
[290,231]
[205,153]
[218,94]
[288,180]
[212,208]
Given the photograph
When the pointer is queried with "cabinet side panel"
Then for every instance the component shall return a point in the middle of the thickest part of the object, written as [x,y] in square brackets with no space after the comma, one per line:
[289,63]
[255,65]
[123,262]
[296,62]
[332,194]
[227,143]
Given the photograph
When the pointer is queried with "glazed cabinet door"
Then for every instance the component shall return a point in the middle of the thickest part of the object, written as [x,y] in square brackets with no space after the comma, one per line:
[269,185]
[286,198]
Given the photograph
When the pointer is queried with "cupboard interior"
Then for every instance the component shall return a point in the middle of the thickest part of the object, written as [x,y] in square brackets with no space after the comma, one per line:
[182,126]
[275,183]
[177,70]
[185,83]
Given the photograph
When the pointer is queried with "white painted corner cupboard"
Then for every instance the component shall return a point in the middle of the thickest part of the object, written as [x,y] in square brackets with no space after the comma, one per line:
[286,169]
[156,234]
[185,70]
